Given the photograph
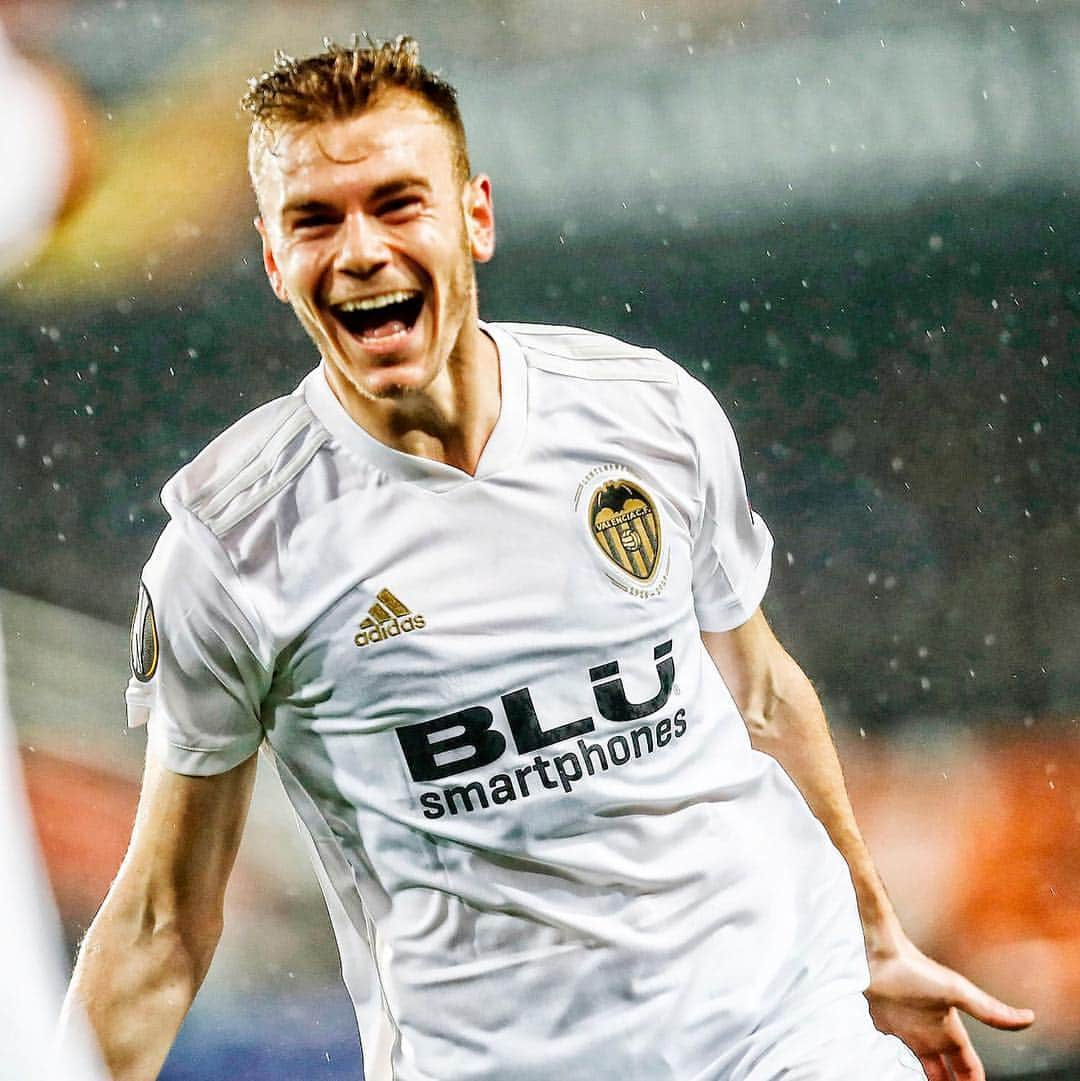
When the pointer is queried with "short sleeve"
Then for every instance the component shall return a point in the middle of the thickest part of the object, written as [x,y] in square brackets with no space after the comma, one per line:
[732,546]
[198,678]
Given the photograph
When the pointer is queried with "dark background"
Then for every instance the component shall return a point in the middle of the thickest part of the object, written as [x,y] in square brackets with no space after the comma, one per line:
[904,390]
[856,221]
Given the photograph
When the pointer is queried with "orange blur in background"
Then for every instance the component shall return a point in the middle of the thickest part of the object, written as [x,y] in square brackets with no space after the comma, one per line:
[980,854]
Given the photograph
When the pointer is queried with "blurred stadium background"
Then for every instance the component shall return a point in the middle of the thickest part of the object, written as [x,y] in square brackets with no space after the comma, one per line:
[856,219]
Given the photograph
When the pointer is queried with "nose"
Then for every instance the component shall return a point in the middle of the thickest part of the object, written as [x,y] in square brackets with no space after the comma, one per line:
[363,250]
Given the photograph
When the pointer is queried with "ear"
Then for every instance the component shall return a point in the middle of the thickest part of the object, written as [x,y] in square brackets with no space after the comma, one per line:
[480,217]
[270,263]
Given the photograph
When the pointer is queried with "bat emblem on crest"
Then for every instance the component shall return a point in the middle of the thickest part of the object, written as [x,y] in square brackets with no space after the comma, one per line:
[626,527]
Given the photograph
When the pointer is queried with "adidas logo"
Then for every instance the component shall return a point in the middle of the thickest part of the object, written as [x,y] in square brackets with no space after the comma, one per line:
[387,618]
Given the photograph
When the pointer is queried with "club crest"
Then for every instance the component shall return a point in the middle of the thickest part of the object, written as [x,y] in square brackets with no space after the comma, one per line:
[144,638]
[624,523]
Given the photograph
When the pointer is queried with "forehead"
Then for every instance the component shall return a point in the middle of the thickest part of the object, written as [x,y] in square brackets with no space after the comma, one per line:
[398,134]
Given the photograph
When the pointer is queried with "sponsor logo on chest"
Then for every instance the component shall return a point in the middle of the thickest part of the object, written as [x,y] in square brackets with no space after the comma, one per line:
[468,740]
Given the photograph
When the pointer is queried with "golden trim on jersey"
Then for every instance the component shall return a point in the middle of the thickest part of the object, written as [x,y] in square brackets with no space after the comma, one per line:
[626,527]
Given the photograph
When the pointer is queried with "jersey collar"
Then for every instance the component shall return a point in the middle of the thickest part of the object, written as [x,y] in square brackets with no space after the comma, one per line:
[502,445]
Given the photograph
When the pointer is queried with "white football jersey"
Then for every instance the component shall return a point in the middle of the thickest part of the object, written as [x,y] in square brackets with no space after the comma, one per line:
[547,846]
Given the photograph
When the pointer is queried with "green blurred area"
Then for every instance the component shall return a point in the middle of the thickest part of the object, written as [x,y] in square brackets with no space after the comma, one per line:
[856,222]
[904,388]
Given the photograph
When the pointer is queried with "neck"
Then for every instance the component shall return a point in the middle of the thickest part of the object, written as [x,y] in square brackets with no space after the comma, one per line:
[450,420]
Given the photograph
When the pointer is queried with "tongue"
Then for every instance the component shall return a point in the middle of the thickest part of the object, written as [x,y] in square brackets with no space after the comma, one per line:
[384,330]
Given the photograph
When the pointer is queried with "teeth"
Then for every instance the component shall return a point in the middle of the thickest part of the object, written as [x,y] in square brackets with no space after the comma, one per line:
[372,303]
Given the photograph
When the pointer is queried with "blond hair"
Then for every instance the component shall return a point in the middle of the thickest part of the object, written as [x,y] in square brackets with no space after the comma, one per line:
[340,82]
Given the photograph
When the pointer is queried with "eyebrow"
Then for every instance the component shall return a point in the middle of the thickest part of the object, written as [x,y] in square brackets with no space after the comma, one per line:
[393,187]
[303,205]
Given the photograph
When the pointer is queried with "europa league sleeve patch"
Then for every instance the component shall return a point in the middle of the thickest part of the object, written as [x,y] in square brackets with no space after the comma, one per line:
[144,638]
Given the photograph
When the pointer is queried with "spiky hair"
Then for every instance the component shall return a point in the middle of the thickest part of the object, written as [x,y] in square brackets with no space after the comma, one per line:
[341,82]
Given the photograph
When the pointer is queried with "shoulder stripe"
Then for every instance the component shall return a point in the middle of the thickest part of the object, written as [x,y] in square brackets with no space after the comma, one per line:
[274,450]
[277,478]
[583,354]
[209,505]
[638,368]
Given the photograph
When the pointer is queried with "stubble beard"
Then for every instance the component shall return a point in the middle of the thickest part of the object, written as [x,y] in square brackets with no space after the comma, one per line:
[460,305]
[461,299]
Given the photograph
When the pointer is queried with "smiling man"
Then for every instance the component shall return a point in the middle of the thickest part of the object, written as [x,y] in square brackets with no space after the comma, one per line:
[488,597]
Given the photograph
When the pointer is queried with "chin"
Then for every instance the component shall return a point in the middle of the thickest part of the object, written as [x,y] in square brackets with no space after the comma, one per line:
[391,392]
[393,382]
[398,379]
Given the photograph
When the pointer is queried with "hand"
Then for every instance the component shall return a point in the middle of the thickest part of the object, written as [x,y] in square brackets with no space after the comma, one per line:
[919,1000]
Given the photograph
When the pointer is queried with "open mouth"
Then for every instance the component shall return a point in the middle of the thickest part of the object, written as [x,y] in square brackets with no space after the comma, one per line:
[381,317]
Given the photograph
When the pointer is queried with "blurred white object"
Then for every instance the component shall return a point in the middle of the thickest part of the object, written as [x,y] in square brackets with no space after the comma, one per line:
[30,941]
[34,183]
[36,158]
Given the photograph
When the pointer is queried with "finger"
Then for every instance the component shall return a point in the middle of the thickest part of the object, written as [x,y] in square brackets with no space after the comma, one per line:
[966,1069]
[962,1059]
[934,1067]
[989,1010]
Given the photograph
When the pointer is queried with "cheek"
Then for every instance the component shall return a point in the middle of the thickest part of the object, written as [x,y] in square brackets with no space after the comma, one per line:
[440,244]
[303,260]
[305,282]
[302,265]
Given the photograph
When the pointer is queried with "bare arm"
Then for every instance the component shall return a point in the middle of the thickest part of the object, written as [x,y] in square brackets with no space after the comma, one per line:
[784,717]
[150,945]
[909,994]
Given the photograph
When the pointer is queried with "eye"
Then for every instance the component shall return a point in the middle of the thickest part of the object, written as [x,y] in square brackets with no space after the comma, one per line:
[401,206]
[312,221]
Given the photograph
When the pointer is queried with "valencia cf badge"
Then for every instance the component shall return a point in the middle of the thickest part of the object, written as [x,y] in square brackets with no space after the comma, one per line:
[144,638]
[625,525]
